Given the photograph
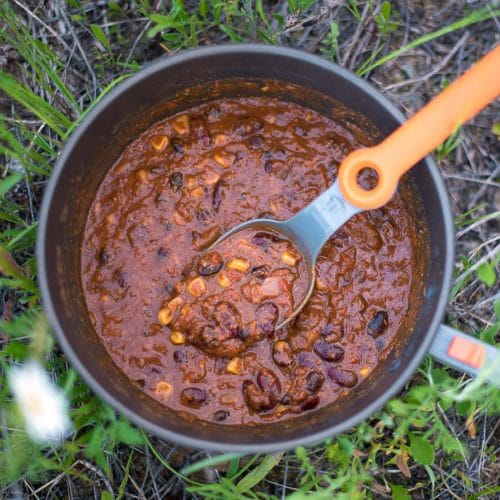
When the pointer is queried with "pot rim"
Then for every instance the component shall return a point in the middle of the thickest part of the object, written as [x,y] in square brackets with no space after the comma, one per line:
[182,439]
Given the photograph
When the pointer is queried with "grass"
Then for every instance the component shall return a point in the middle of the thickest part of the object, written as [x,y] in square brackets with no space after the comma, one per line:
[436,439]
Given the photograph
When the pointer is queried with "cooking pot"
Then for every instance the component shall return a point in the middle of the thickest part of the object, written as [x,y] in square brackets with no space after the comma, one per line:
[168,86]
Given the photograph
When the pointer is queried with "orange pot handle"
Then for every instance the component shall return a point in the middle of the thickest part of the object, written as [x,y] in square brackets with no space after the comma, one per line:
[421,134]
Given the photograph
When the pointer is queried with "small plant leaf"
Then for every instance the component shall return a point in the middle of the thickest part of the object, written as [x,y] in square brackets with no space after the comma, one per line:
[421,449]
[399,492]
[486,273]
[100,35]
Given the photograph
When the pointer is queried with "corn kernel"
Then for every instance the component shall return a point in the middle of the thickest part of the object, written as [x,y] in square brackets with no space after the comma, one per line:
[210,177]
[177,217]
[185,310]
[234,366]
[190,180]
[224,160]
[165,315]
[289,258]
[181,124]
[220,139]
[223,280]
[237,264]
[142,175]
[319,284]
[197,287]
[111,219]
[159,142]
[163,389]
[174,303]
[177,338]
[197,192]
[365,371]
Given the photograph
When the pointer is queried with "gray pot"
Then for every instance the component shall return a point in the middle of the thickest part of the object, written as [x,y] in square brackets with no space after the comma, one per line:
[115,122]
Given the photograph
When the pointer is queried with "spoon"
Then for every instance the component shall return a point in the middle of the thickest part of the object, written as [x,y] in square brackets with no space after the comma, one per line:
[310,228]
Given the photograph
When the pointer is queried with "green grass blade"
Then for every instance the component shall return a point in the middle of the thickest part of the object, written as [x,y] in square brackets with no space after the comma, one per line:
[210,462]
[8,183]
[56,120]
[473,18]
[260,472]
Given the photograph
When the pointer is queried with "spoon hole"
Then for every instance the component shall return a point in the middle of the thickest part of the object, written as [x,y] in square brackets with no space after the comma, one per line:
[367,178]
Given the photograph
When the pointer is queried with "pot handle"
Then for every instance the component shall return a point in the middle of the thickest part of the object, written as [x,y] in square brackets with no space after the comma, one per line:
[467,354]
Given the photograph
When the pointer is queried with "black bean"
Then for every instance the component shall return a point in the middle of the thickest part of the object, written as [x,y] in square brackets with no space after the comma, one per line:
[176,181]
[378,324]
[345,378]
[261,272]
[194,397]
[203,216]
[332,333]
[167,226]
[327,351]
[210,263]
[122,278]
[104,256]
[177,145]
[256,141]
[267,316]
[180,355]
[314,381]
[217,195]
[264,239]
[220,415]
[214,113]
[286,400]
[268,166]
[162,252]
[309,403]
[169,288]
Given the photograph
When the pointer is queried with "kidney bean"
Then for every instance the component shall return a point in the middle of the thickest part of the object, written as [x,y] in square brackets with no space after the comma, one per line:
[194,397]
[309,403]
[267,317]
[269,383]
[220,415]
[261,272]
[314,381]
[327,351]
[345,378]
[227,317]
[256,398]
[210,263]
[206,238]
[282,353]
[378,324]
[176,181]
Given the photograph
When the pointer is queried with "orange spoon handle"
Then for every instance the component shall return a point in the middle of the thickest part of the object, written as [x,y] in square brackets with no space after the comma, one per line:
[421,134]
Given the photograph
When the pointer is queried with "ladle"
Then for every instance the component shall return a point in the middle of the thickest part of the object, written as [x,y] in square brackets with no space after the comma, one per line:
[310,228]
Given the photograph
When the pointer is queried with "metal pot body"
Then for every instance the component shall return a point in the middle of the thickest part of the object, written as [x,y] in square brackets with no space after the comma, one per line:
[95,145]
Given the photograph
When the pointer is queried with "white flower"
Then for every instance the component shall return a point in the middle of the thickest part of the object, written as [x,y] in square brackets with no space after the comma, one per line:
[42,404]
